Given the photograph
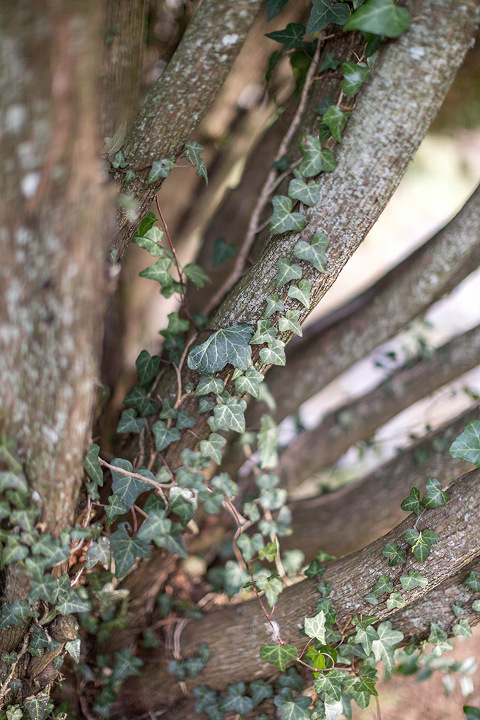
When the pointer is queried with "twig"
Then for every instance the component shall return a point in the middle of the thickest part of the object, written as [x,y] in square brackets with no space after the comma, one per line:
[4,687]
[266,192]
[149,481]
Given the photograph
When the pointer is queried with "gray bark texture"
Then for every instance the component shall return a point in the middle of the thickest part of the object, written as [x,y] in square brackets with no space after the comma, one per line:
[235,633]
[181,97]
[51,275]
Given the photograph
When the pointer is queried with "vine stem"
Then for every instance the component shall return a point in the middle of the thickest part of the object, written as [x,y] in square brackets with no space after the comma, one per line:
[267,190]
[154,483]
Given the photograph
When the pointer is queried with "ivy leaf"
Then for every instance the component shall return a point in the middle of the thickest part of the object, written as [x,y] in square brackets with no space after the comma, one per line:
[462,628]
[138,397]
[395,555]
[287,272]
[150,240]
[437,635]
[250,382]
[315,627]
[291,36]
[182,502]
[126,549]
[307,193]
[471,713]
[73,648]
[312,163]
[278,655]
[467,445]
[159,272]
[412,502]
[249,547]
[69,600]
[51,549]
[274,304]
[289,322]
[271,586]
[301,292]
[473,581]
[164,435]
[130,423]
[14,613]
[212,447]
[274,354]
[323,13]
[195,274]
[147,367]
[421,542]
[384,647]
[293,709]
[236,700]
[313,252]
[274,7]
[222,252]
[259,691]
[267,442]
[379,17]
[383,585]
[434,495]
[354,75]
[93,469]
[160,169]
[126,664]
[412,580]
[283,219]
[234,578]
[336,120]
[230,415]
[228,345]
[98,552]
[192,152]
[395,601]
[126,488]
[38,706]
[331,684]
[44,588]
[264,333]
[209,384]
[225,484]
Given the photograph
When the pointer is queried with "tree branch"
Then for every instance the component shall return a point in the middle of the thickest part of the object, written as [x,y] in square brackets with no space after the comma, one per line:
[180,98]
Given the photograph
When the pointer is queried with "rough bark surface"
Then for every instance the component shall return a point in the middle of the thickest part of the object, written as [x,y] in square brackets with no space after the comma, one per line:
[51,275]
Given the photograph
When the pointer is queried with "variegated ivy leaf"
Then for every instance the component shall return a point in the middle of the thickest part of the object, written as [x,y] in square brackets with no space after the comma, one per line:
[250,382]
[412,580]
[289,322]
[150,241]
[313,252]
[164,435]
[283,219]
[307,193]
[264,333]
[274,304]
[228,345]
[160,169]
[395,601]
[315,627]
[287,272]
[336,120]
[467,445]
[212,447]
[192,152]
[311,150]
[209,384]
[354,75]
[301,292]
[159,272]
[230,414]
[274,354]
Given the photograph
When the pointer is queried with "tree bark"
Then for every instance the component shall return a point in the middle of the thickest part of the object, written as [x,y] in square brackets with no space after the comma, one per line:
[359,419]
[234,633]
[51,275]
[180,98]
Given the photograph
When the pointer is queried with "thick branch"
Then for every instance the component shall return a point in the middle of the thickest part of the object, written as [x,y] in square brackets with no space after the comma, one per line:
[242,627]
[51,274]
[358,420]
[343,521]
[180,98]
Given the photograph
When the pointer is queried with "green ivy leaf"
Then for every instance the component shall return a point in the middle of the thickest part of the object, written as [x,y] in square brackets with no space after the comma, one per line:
[421,542]
[51,549]
[307,193]
[313,252]
[395,601]
[290,322]
[271,586]
[159,272]
[183,502]
[412,502]
[379,17]
[383,585]
[293,709]
[315,627]
[212,447]
[412,580]
[283,219]
[383,648]
[323,13]
[354,75]
[164,435]
[147,367]
[93,470]
[228,345]
[291,36]
[250,382]
[230,414]
[195,274]
[301,292]
[437,635]
[222,252]
[434,495]
[312,163]
[249,547]
[192,152]
[98,552]
[264,333]
[336,120]
[207,701]
[130,423]
[274,305]
[138,397]
[225,484]
[395,555]
[38,706]
[126,665]
[462,628]
[267,442]
[234,578]
[126,549]
[274,354]
[467,445]
[127,489]
[236,700]
[44,589]
[473,581]
[278,655]
[274,7]
[209,384]
[331,684]
[150,240]
[471,713]
[14,613]
[287,272]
